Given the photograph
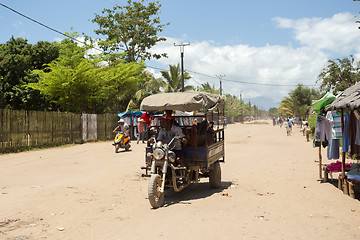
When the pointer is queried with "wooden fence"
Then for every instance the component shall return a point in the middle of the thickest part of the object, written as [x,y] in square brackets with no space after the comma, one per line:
[21,129]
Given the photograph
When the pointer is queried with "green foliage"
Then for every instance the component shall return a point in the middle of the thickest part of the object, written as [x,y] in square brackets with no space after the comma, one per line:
[298,102]
[339,74]
[173,79]
[312,122]
[234,106]
[17,59]
[206,87]
[273,112]
[132,29]
[78,84]
[150,85]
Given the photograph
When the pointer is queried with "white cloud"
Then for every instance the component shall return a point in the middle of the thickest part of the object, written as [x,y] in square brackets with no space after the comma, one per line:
[319,39]
[338,34]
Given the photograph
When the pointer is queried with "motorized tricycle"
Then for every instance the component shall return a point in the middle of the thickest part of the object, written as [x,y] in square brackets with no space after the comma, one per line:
[201,155]
[121,141]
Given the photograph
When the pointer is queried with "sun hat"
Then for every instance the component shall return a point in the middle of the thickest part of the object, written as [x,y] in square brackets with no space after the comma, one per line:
[121,120]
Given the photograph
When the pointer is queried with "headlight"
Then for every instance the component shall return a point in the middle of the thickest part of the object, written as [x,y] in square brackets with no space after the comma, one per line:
[171,156]
[158,154]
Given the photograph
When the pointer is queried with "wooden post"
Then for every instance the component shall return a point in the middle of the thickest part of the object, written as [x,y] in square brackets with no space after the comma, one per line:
[320,163]
[344,183]
[351,190]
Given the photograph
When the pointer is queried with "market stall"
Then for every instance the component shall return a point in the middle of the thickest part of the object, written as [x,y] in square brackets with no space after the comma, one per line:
[348,103]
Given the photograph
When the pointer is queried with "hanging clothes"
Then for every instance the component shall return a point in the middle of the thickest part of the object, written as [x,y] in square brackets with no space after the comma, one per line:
[322,129]
[334,119]
[351,129]
[333,151]
[345,139]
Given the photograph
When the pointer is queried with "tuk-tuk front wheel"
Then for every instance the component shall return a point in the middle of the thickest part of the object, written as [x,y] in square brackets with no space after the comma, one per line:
[215,176]
[156,198]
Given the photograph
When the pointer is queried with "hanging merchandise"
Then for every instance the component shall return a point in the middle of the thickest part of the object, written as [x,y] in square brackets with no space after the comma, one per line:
[322,129]
[351,130]
[334,119]
[345,138]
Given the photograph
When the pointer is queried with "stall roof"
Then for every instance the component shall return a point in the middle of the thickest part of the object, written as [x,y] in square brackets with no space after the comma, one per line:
[348,99]
[181,101]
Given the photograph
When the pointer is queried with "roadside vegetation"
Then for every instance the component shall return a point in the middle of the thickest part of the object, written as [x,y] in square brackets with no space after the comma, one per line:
[70,77]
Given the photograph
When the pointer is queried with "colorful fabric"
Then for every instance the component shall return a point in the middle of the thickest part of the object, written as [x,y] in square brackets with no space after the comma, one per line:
[335,119]
[336,166]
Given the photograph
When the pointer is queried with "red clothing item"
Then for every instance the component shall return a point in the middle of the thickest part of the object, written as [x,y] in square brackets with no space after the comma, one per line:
[146,118]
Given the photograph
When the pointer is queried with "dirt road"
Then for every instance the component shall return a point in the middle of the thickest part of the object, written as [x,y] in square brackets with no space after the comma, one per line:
[270,190]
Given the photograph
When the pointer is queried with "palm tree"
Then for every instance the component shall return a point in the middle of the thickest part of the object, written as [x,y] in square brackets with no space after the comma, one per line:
[287,107]
[173,79]
[206,87]
[149,86]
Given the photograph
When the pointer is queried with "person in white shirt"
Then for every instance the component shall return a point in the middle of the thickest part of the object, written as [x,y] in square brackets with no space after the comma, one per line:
[123,127]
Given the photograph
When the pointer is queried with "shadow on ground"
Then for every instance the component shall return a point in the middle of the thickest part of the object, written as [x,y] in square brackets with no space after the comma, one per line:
[193,192]
[335,182]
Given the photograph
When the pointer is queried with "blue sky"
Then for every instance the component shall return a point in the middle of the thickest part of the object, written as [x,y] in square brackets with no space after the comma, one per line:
[253,43]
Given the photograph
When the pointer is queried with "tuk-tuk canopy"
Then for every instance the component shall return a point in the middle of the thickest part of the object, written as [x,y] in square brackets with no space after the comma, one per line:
[348,99]
[181,101]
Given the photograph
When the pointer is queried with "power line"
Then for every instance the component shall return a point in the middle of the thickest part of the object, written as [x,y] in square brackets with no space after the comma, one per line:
[101,50]
[50,28]
[251,83]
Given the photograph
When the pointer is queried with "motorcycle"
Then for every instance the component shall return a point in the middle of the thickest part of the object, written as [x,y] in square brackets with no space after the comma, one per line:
[121,141]
[165,173]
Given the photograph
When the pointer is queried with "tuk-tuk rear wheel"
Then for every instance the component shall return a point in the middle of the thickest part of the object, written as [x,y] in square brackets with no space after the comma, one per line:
[156,198]
[215,176]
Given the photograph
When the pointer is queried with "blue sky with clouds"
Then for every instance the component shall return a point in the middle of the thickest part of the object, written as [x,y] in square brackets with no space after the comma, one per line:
[255,44]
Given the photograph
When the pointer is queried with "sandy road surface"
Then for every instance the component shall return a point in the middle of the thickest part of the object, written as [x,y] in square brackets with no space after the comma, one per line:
[269,190]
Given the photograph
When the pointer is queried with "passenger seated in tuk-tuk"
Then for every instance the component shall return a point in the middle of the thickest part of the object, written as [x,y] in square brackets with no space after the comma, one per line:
[169,131]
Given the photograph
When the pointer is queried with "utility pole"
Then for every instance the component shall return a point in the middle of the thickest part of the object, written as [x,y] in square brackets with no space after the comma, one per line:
[220,77]
[182,45]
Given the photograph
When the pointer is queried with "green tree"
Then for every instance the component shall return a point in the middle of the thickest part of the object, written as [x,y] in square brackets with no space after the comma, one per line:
[131,29]
[273,112]
[232,106]
[150,85]
[339,74]
[78,84]
[302,98]
[298,102]
[17,59]
[287,108]
[173,79]
[206,87]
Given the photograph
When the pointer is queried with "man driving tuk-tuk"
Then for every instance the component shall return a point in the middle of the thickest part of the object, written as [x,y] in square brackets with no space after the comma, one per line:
[168,131]
[202,155]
